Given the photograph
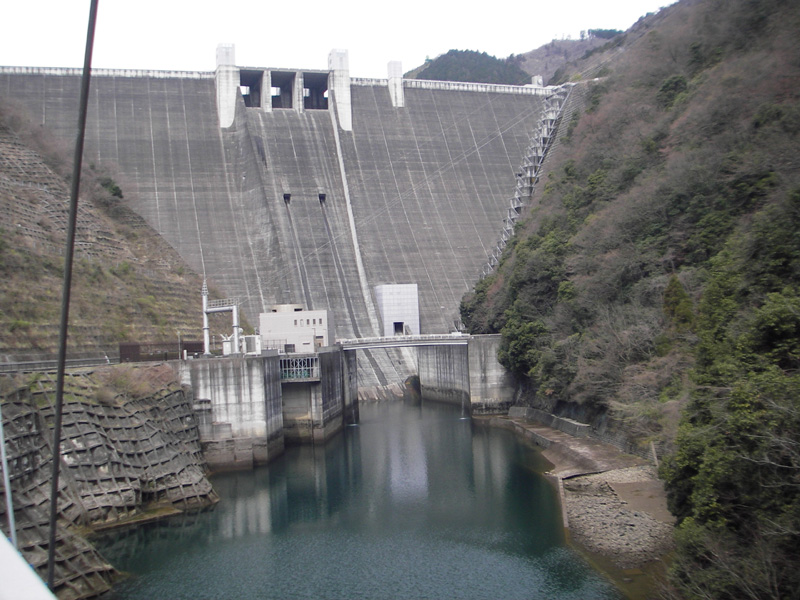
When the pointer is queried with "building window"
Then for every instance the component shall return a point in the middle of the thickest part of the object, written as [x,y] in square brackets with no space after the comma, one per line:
[308,321]
[314,321]
[295,322]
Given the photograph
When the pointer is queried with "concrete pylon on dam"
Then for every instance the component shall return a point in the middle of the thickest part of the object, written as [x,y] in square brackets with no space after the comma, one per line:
[313,187]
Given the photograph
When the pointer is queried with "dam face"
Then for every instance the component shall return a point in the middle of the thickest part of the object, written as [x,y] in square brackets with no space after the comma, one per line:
[307,187]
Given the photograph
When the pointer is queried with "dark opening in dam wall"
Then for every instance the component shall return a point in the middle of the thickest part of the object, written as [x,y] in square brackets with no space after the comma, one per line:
[398,182]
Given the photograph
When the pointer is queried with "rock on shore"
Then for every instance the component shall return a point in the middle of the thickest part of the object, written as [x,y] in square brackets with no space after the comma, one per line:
[620,514]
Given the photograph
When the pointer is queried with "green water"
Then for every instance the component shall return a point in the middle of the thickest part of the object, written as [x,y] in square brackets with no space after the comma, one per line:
[414,502]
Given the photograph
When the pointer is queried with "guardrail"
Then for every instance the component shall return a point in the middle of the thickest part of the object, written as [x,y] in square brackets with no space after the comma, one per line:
[52,365]
[461,86]
[75,72]
[398,341]
[300,368]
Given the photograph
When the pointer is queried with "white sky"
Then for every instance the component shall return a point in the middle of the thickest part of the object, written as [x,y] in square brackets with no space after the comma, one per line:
[183,34]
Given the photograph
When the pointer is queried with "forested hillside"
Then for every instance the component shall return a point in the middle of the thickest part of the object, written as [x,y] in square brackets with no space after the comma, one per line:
[654,285]
[473,67]
[553,60]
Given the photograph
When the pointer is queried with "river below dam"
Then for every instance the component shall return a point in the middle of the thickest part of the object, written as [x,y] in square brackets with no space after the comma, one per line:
[415,501]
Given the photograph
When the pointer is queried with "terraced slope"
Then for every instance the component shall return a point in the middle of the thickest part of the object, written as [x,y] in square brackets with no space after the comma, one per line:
[129,284]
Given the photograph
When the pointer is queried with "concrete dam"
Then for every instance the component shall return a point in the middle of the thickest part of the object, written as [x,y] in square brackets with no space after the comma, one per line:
[313,187]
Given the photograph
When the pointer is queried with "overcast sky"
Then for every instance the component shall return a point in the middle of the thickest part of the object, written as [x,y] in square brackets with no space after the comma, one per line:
[183,34]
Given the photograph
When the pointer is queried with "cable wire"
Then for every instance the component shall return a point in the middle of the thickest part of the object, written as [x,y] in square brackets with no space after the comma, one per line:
[65,297]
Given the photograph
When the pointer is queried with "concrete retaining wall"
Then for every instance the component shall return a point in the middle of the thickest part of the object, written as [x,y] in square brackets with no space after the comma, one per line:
[238,401]
[444,374]
[566,425]
[491,386]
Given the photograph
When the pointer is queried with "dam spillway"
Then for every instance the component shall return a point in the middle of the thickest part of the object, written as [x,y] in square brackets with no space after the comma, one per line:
[317,205]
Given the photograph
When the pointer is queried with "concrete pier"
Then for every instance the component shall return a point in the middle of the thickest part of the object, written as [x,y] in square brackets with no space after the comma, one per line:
[491,386]
[444,374]
[468,375]
[317,407]
[238,403]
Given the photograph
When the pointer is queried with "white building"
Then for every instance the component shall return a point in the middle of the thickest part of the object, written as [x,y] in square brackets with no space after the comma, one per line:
[398,304]
[291,329]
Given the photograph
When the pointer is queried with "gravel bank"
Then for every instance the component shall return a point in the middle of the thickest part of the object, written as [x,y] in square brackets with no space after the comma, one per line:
[620,514]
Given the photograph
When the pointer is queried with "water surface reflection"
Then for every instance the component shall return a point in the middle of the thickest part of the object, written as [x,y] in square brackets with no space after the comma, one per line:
[412,503]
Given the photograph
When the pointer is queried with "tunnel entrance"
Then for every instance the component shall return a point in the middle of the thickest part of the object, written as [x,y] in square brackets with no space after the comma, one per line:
[250,86]
[282,88]
[315,91]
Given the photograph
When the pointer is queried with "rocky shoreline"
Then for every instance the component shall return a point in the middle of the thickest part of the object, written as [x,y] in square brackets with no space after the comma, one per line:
[613,503]
[619,514]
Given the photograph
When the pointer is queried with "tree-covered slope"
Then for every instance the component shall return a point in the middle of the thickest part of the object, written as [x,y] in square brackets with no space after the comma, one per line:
[471,66]
[656,278]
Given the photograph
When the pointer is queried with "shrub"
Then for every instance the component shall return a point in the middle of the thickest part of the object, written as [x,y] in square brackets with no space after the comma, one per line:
[670,89]
[470,66]
[19,325]
[518,349]
[111,187]
[122,270]
[678,305]
[137,382]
